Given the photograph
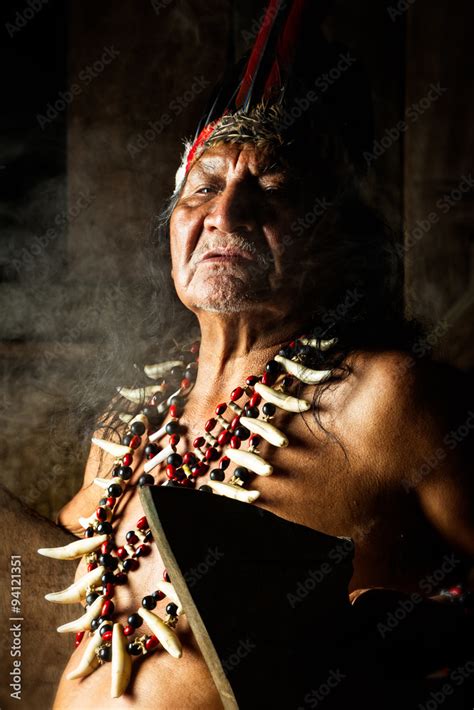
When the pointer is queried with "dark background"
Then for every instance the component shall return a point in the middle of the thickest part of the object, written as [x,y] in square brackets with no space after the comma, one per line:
[82,165]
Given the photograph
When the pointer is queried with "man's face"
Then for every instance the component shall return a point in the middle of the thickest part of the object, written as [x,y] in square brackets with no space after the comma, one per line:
[232,245]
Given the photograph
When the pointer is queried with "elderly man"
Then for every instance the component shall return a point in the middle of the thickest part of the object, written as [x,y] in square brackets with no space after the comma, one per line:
[303,372]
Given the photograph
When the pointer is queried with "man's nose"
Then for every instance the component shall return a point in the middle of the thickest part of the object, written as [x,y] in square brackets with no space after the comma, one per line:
[232,210]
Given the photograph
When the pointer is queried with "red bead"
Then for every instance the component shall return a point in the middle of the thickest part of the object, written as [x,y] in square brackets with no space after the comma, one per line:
[135,441]
[159,595]
[235,423]
[202,469]
[127,459]
[143,550]
[210,424]
[235,442]
[223,438]
[101,514]
[171,471]
[79,637]
[108,608]
[132,539]
[175,411]
[142,523]
[211,454]
[185,482]
[185,383]
[121,578]
[151,643]
[236,394]
[122,553]
[198,442]
[268,379]
[224,463]
[110,502]
[134,564]
[107,547]
[108,592]
[128,630]
[456,591]
[174,439]
[166,576]
[107,636]
[195,347]
[189,458]
[251,381]
[255,400]
[91,566]
[220,409]
[255,440]
[291,344]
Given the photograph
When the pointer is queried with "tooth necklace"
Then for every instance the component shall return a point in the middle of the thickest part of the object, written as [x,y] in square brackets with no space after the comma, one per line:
[110,563]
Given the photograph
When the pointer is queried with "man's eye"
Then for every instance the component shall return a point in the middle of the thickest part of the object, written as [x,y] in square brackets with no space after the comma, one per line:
[206,190]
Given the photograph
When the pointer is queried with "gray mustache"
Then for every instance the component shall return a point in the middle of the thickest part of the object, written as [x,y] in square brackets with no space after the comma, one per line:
[234,242]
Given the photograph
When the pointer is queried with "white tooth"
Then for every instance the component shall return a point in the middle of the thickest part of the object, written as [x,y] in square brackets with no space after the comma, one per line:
[87,522]
[282,400]
[156,371]
[319,344]
[168,589]
[139,395]
[160,456]
[158,434]
[305,374]
[252,461]
[84,622]
[165,635]
[106,482]
[269,432]
[74,549]
[89,661]
[121,663]
[78,590]
[117,450]
[234,492]
[125,418]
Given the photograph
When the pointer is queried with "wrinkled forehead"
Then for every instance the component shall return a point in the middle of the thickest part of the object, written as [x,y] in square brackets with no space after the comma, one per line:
[230,158]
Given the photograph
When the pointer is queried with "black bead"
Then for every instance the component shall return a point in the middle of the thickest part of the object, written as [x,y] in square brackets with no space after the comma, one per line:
[151,413]
[134,649]
[206,489]
[120,578]
[135,620]
[176,372]
[151,449]
[190,374]
[172,428]
[242,432]
[269,409]
[127,439]
[175,460]
[125,473]
[142,551]
[105,653]
[102,619]
[108,561]
[171,609]
[115,490]
[104,529]
[128,565]
[94,624]
[138,428]
[217,474]
[273,367]
[251,412]
[90,532]
[148,602]
[91,597]
[146,479]
[242,473]
[148,536]
[105,628]
[107,578]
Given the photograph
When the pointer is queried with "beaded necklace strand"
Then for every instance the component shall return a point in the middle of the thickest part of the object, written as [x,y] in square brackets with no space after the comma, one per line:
[220,445]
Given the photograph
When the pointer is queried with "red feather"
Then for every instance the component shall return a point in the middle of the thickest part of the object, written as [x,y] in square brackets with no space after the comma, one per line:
[286,48]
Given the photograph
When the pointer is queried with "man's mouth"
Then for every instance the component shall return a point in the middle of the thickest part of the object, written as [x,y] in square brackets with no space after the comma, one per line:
[222,255]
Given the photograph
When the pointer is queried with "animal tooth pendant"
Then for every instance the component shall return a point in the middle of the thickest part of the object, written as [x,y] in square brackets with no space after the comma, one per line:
[318,344]
[106,482]
[160,456]
[78,590]
[165,635]
[282,400]
[125,418]
[168,589]
[266,430]
[110,447]
[84,622]
[304,374]
[154,372]
[234,492]
[252,461]
[74,549]
[139,395]
[121,663]
[89,661]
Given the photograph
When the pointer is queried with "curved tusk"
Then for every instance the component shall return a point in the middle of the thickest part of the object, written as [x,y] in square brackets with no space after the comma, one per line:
[121,663]
[125,418]
[165,635]
[74,549]
[234,492]
[76,591]
[305,374]
[106,482]
[84,621]
[117,450]
[140,394]
[252,461]
[89,661]
[319,344]
[168,589]
[157,370]
[266,430]
[282,400]
[160,456]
